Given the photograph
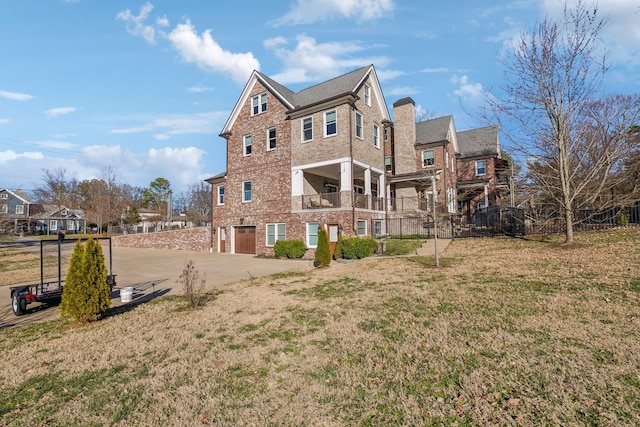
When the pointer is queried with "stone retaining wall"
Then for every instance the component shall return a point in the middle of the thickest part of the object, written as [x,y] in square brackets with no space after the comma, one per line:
[190,239]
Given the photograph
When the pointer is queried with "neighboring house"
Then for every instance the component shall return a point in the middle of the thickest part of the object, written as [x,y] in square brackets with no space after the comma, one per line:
[150,220]
[483,176]
[418,152]
[15,211]
[328,157]
[50,219]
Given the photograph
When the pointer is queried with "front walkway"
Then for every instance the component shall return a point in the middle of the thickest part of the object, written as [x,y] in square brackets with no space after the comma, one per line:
[428,248]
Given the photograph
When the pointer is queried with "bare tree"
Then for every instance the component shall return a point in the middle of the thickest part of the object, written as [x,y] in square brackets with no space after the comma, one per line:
[56,189]
[199,202]
[553,113]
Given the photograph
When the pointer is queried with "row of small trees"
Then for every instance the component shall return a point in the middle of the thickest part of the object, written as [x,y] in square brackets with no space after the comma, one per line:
[107,200]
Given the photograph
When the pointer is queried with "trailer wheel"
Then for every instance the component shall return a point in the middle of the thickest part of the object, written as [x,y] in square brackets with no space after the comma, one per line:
[18,304]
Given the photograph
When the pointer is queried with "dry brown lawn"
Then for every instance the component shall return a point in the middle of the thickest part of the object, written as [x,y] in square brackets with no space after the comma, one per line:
[510,332]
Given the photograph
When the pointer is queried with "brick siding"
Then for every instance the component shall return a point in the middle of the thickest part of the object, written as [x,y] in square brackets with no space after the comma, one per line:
[191,239]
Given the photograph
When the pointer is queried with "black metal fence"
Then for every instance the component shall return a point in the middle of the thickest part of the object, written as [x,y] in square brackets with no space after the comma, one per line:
[507,221]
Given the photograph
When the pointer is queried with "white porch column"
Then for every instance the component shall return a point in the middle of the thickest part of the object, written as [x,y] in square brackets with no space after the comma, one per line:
[297,182]
[486,196]
[367,181]
[388,196]
[381,185]
[346,181]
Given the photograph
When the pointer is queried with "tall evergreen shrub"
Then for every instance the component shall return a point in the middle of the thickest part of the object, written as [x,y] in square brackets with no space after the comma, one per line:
[323,252]
[86,293]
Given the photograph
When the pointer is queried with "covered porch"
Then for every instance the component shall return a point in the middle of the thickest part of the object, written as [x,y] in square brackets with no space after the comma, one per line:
[338,184]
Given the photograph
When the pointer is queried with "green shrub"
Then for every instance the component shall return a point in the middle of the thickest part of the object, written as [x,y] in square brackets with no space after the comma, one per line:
[294,248]
[337,251]
[323,252]
[86,293]
[357,248]
[621,218]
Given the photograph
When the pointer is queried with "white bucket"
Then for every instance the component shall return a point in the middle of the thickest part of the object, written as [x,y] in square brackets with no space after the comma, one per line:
[126,294]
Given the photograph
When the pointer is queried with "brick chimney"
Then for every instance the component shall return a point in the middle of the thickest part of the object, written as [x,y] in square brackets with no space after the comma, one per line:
[404,123]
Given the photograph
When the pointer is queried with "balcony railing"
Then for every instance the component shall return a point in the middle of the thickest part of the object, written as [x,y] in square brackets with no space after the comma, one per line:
[337,200]
[321,201]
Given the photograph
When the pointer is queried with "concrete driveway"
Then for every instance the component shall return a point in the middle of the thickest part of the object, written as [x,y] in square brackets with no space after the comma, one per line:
[155,272]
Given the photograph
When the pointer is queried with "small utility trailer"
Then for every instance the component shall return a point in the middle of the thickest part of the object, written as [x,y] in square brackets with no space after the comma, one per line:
[50,290]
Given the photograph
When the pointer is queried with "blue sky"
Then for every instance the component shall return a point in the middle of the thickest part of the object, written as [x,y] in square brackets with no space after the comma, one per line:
[146,87]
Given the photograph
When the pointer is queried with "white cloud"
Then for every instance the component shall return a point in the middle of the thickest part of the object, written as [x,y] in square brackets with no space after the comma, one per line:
[466,90]
[309,11]
[4,121]
[135,24]
[100,155]
[199,89]
[312,61]
[435,70]
[179,124]
[162,21]
[64,135]
[14,96]
[10,155]
[205,52]
[55,144]
[180,165]
[55,112]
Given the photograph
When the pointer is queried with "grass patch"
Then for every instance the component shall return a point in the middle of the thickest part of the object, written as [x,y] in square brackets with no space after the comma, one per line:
[517,332]
[402,246]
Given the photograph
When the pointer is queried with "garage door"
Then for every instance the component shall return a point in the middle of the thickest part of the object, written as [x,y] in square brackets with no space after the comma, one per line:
[245,240]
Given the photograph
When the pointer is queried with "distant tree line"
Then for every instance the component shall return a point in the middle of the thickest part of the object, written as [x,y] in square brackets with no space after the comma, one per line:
[108,200]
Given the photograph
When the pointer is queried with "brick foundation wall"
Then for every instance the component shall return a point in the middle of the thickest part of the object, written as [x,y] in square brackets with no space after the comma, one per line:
[191,239]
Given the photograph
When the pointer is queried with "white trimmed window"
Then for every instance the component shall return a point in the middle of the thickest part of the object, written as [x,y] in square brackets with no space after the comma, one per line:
[428,158]
[259,104]
[358,125]
[4,196]
[271,139]
[362,227]
[53,225]
[312,234]
[276,232]
[19,209]
[246,191]
[376,136]
[367,95]
[221,195]
[307,129]
[330,123]
[481,167]
[246,145]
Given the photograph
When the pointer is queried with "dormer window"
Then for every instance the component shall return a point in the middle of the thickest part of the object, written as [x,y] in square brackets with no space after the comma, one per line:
[259,104]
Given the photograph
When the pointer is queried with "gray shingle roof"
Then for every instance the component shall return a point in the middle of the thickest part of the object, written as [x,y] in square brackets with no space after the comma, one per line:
[479,142]
[340,85]
[434,130]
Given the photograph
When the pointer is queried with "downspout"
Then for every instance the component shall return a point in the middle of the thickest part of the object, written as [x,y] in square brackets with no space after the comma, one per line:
[353,207]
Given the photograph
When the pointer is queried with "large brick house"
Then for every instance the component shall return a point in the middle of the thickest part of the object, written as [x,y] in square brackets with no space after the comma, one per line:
[327,156]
